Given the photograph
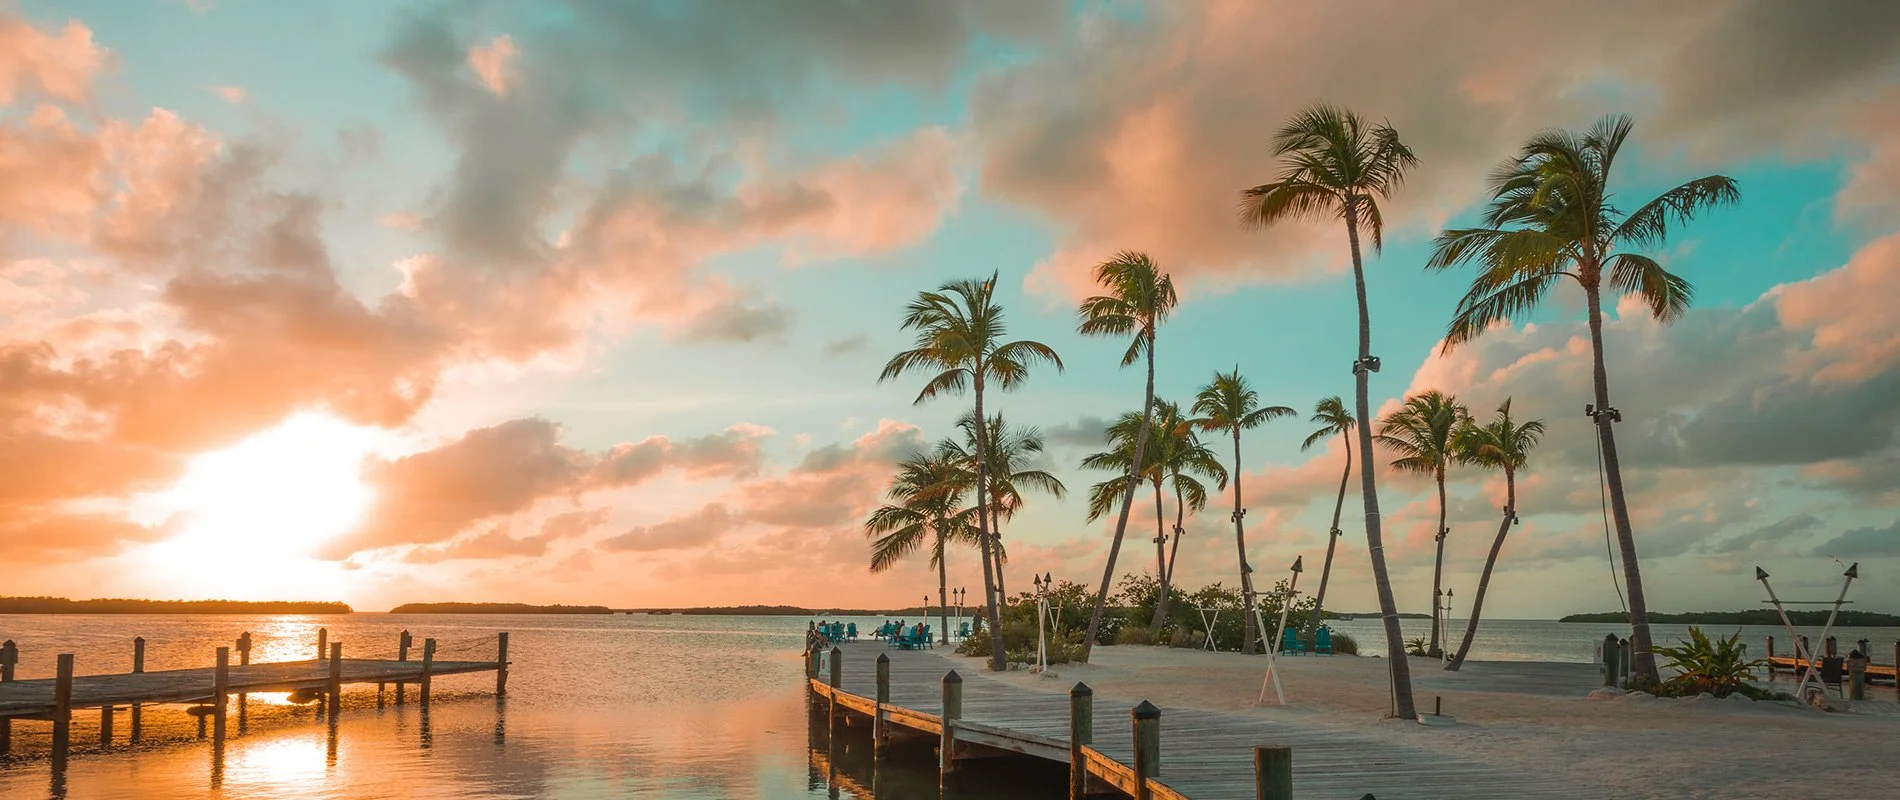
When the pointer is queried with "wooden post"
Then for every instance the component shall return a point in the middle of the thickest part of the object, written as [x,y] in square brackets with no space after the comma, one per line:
[837,668]
[1808,651]
[1896,669]
[952,711]
[1147,721]
[244,649]
[62,711]
[1856,676]
[1831,647]
[323,647]
[428,663]
[1623,653]
[138,709]
[1081,732]
[1771,659]
[105,727]
[402,654]
[880,734]
[501,666]
[1610,660]
[9,655]
[1273,773]
[220,687]
[335,687]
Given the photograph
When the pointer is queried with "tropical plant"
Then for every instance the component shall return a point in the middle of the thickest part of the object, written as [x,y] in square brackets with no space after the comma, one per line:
[1228,404]
[1337,166]
[927,493]
[1551,217]
[1011,450]
[1139,297]
[1420,433]
[1333,419]
[1720,667]
[1180,458]
[1501,444]
[960,329]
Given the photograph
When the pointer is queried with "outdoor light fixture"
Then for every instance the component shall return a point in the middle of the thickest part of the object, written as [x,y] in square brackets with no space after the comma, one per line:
[1590,410]
[1367,364]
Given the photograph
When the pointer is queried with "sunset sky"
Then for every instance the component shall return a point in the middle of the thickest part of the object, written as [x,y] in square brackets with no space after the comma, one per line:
[585,302]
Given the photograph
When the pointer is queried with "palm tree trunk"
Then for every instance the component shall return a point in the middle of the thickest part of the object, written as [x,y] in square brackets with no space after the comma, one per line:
[1438,564]
[1332,541]
[1128,501]
[996,552]
[1180,520]
[1484,578]
[943,585]
[1642,659]
[998,658]
[1161,564]
[1247,632]
[1375,540]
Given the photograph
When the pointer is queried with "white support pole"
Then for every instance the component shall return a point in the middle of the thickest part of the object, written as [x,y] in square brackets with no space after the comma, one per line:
[1279,631]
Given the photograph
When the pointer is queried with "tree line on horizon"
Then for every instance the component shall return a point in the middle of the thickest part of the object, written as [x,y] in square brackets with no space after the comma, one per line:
[1549,216]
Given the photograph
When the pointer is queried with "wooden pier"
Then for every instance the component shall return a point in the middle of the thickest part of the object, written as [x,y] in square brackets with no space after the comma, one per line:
[1183,754]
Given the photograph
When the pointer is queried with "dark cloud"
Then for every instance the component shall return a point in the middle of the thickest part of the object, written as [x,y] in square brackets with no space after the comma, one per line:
[854,343]
[1869,542]
[1088,432]
[742,321]
[1771,537]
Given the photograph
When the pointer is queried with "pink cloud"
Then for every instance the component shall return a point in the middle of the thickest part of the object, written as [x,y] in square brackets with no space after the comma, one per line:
[490,62]
[1849,312]
[55,66]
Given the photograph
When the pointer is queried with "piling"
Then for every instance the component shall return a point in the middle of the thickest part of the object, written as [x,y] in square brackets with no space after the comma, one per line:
[501,665]
[1856,675]
[1147,739]
[837,668]
[1771,659]
[402,654]
[105,727]
[220,687]
[1806,652]
[323,647]
[1832,648]
[952,711]
[62,711]
[138,709]
[1081,733]
[428,663]
[1610,660]
[244,660]
[880,734]
[335,687]
[1273,773]
[9,655]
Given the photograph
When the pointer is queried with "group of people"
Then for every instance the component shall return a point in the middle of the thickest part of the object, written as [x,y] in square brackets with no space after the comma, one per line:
[822,634]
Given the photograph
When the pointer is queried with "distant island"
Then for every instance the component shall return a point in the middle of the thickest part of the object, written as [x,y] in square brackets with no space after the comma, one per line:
[1753,616]
[61,605]
[495,608]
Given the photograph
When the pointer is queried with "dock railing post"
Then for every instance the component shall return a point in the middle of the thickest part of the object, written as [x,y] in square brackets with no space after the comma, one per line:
[952,711]
[1610,661]
[9,655]
[837,668]
[1856,675]
[244,660]
[1771,659]
[880,734]
[402,654]
[1081,733]
[501,665]
[138,709]
[335,687]
[220,687]
[1273,773]
[1147,739]
[62,711]
[428,663]
[1623,653]
[323,647]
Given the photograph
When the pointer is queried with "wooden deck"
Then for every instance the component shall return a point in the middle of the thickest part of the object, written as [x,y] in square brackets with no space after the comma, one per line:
[1793,664]
[1204,755]
[35,698]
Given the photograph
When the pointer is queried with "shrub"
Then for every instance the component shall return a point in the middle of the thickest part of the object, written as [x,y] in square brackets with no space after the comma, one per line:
[1186,638]
[1134,635]
[1345,645]
[1717,666]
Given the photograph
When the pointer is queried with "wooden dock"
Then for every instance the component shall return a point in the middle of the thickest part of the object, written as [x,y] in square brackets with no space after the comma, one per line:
[1188,754]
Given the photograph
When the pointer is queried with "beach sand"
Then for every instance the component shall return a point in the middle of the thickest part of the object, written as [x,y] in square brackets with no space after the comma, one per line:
[1530,716]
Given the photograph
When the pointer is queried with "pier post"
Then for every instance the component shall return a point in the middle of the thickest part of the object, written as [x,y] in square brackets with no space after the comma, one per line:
[501,665]
[1623,653]
[220,687]
[62,711]
[402,654]
[9,655]
[428,662]
[335,687]
[837,669]
[1856,675]
[105,727]
[138,709]
[1806,651]
[880,733]
[1147,740]
[1273,773]
[952,711]
[1081,732]
[1832,648]
[1771,659]
[1610,660]
[1896,669]
[323,646]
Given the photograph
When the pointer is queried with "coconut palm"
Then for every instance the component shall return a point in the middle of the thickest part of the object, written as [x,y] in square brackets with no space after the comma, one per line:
[960,332]
[1011,450]
[1139,297]
[1420,433]
[927,495]
[1180,456]
[1228,404]
[1337,166]
[1498,444]
[1333,419]
[1551,217]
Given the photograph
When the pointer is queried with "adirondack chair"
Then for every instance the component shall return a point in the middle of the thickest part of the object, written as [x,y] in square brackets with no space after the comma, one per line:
[928,642]
[1290,642]
[963,631]
[851,631]
[1323,640]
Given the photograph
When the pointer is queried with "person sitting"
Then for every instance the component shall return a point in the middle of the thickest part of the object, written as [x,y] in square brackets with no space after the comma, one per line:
[851,631]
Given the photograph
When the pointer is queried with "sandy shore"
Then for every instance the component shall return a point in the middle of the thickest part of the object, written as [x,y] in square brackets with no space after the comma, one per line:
[1533,716]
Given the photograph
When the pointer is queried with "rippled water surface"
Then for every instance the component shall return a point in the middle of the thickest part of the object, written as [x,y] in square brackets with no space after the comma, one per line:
[598,706]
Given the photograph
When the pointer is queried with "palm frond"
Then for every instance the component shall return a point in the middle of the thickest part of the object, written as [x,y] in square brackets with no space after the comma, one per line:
[1666,294]
[1648,227]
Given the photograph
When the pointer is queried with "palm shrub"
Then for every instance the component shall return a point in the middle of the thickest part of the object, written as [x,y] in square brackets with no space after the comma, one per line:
[1720,667]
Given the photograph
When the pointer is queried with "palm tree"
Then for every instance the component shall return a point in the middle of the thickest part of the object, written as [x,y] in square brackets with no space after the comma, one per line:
[1333,419]
[1179,457]
[959,331]
[1420,432]
[1139,297]
[927,493]
[1228,404]
[1338,166]
[1500,444]
[1551,217]
[1009,470]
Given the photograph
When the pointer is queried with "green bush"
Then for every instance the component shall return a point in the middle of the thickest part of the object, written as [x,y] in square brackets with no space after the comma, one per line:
[1134,635]
[1069,607]
[1720,667]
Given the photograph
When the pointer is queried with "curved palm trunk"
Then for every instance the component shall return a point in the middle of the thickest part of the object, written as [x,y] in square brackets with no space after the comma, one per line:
[996,552]
[1484,578]
[1375,540]
[1642,659]
[998,658]
[1332,542]
[1438,564]
[943,585]
[1180,519]
[1247,633]
[1161,564]
[1128,501]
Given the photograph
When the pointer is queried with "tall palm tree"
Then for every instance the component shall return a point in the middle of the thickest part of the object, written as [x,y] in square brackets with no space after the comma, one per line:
[1139,297]
[1228,404]
[1551,217]
[1011,450]
[1337,166]
[1333,419]
[1499,444]
[927,495]
[959,335]
[1179,456]
[1420,433]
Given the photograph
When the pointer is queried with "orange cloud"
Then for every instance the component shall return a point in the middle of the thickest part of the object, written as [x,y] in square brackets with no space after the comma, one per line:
[54,66]
[490,62]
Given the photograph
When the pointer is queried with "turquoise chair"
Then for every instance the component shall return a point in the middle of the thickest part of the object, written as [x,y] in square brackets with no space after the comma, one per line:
[1323,640]
[1290,642]
[928,641]
[851,631]
[963,631]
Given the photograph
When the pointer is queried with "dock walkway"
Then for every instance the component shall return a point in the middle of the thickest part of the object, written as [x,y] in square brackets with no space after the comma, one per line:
[35,699]
[1203,755]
